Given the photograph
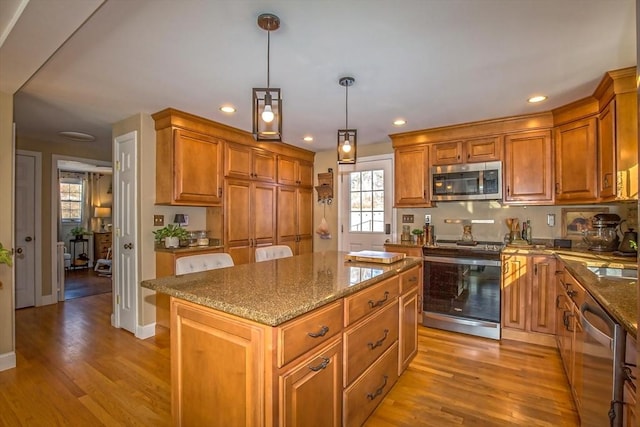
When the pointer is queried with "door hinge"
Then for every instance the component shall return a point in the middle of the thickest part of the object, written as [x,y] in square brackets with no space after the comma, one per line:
[117,299]
[341,228]
[118,165]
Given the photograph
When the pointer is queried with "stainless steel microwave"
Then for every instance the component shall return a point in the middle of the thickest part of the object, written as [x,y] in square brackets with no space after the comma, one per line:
[471,181]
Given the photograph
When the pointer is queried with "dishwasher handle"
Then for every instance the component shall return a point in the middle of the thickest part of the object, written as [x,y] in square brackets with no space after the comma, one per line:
[593,331]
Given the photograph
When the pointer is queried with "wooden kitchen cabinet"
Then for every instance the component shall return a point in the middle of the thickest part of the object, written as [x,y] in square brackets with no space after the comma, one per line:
[311,390]
[242,161]
[295,172]
[528,296]
[188,168]
[410,306]
[618,136]
[483,149]
[250,218]
[630,406]
[295,219]
[576,161]
[528,168]
[411,176]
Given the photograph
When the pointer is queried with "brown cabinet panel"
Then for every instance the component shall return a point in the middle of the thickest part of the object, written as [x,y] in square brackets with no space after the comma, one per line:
[528,171]
[370,300]
[514,287]
[188,168]
[607,152]
[483,149]
[576,161]
[543,294]
[294,172]
[246,162]
[408,331]
[295,218]
[311,391]
[447,153]
[411,176]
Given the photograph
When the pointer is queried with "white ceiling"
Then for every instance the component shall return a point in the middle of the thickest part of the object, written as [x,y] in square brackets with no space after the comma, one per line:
[432,62]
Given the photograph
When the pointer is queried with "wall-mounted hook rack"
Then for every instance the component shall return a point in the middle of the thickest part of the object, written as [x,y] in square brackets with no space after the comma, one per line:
[325,187]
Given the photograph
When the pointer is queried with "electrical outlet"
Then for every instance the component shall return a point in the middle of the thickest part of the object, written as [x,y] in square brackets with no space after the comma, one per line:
[407,219]
[158,220]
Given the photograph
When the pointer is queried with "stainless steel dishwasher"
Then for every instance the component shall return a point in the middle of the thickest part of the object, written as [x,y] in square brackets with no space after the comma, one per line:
[601,356]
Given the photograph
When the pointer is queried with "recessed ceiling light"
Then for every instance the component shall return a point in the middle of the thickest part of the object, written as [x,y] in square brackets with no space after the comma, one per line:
[227,109]
[537,98]
[77,136]
[308,138]
[399,122]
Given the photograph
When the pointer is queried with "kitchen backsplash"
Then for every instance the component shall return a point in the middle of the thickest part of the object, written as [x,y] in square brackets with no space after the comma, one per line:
[480,210]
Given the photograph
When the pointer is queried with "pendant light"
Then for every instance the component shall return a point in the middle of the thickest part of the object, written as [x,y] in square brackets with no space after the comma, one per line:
[347,137]
[267,104]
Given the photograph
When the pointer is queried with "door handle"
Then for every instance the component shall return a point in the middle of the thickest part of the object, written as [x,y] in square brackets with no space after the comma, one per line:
[28,239]
[19,251]
[128,246]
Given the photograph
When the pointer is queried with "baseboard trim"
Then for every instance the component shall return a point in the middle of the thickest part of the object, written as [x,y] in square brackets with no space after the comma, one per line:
[529,337]
[7,361]
[146,331]
[49,299]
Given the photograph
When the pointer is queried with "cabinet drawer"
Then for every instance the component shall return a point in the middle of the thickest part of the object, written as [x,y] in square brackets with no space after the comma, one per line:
[368,340]
[370,300]
[302,334]
[364,395]
[409,279]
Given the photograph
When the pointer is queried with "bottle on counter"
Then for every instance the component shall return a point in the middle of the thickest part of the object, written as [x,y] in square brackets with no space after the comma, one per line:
[524,231]
[529,238]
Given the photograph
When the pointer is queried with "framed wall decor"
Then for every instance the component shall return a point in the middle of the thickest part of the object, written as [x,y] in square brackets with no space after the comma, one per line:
[576,220]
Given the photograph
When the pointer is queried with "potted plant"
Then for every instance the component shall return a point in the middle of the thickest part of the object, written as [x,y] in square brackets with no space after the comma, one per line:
[79,231]
[6,256]
[419,233]
[171,234]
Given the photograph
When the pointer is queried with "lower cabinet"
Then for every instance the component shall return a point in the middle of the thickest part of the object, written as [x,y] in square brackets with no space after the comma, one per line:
[630,406]
[329,367]
[528,297]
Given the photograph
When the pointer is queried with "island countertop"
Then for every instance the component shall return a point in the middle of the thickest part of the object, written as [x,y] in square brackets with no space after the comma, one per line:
[276,291]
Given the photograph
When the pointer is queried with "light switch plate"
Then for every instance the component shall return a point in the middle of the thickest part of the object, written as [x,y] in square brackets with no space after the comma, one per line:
[551,220]
[158,220]
[407,219]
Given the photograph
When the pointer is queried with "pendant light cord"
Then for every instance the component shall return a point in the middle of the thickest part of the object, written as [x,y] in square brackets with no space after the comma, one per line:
[346,107]
[268,54]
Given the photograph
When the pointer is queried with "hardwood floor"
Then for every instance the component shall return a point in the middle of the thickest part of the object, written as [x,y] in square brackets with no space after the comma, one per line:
[84,282]
[74,369]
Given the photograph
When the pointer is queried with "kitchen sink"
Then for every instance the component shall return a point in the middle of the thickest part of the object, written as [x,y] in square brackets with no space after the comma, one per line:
[615,273]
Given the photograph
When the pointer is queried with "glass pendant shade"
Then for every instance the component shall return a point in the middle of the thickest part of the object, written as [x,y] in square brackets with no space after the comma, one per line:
[347,145]
[267,114]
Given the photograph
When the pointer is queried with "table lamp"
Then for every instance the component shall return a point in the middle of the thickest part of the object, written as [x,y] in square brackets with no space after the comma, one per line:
[102,212]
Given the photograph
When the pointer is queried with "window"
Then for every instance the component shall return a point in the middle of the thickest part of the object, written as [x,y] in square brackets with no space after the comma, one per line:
[367,201]
[71,201]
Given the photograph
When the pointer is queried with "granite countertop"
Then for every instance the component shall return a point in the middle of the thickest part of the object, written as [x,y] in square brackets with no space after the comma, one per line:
[186,249]
[273,292]
[618,296]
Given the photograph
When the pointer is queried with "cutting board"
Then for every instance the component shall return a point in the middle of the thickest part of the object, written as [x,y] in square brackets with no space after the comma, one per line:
[374,256]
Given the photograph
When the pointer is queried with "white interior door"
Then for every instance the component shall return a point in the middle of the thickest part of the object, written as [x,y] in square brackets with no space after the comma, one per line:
[25,261]
[366,216]
[125,258]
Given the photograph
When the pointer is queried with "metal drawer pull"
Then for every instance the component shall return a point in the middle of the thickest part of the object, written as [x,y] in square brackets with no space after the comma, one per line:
[324,364]
[323,331]
[379,302]
[379,342]
[378,392]
[413,279]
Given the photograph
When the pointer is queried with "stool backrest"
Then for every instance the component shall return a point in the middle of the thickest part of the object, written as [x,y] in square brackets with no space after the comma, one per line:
[267,253]
[203,262]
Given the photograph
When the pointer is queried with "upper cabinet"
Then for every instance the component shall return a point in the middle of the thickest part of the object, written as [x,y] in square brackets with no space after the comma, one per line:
[188,162]
[411,176]
[242,161]
[295,172]
[618,136]
[483,149]
[576,153]
[528,171]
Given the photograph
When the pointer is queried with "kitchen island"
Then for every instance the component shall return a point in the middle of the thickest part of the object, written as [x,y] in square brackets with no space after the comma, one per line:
[305,340]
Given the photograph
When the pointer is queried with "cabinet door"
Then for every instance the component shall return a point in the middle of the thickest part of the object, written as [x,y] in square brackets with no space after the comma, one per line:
[576,161]
[264,165]
[287,204]
[209,345]
[311,391]
[305,213]
[238,226]
[408,332]
[607,152]
[446,153]
[237,161]
[411,176]
[305,173]
[287,171]
[528,171]
[263,214]
[485,149]
[563,335]
[197,178]
[543,294]
[514,285]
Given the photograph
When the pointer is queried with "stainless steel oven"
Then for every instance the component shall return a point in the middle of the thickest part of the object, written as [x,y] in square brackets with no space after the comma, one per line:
[462,289]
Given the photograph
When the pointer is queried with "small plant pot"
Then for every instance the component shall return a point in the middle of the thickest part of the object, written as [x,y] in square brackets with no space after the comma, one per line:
[171,242]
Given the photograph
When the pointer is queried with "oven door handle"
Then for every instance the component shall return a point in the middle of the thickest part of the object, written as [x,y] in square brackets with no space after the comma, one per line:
[464,261]
[593,331]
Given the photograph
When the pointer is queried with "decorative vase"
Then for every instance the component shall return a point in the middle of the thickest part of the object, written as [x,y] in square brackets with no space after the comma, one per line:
[171,242]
